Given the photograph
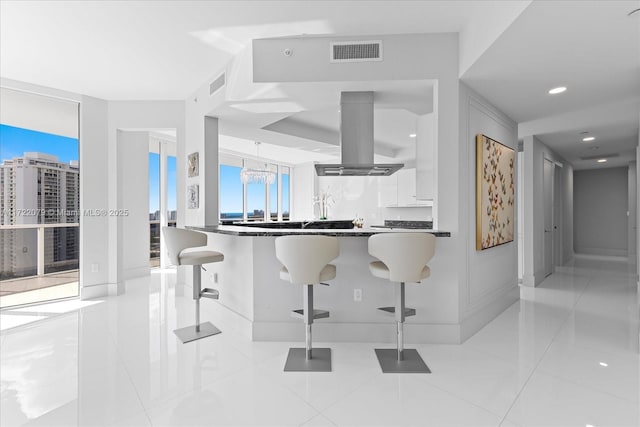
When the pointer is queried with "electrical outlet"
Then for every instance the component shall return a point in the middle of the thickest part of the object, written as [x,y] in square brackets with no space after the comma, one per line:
[95,267]
[215,277]
[357,295]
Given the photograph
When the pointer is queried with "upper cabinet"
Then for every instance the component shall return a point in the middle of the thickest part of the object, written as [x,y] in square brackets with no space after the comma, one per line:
[427,131]
[399,190]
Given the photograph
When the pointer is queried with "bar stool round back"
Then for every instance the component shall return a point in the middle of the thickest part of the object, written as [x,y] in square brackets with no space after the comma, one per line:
[186,247]
[403,257]
[305,262]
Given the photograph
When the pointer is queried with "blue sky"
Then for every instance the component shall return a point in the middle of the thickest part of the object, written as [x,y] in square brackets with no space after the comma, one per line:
[154,182]
[231,192]
[14,142]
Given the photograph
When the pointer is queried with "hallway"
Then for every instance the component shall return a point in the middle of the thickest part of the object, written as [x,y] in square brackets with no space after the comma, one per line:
[565,354]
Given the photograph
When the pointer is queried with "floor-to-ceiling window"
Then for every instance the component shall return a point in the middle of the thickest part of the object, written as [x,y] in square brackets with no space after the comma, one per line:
[39,199]
[162,191]
[154,209]
[263,200]
[172,192]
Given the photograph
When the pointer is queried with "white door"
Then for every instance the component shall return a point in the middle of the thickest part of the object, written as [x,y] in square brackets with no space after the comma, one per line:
[547,250]
[558,196]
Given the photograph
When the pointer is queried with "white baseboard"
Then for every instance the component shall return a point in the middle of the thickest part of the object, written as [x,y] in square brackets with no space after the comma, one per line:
[481,317]
[134,272]
[602,257]
[94,291]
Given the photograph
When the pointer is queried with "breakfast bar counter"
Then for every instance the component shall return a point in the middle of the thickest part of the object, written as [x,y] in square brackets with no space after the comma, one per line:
[236,230]
[259,303]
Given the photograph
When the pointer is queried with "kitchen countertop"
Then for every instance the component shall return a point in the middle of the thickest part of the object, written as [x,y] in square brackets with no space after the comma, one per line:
[353,232]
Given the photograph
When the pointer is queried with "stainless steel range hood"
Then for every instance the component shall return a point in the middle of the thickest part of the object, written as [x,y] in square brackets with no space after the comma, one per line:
[356,140]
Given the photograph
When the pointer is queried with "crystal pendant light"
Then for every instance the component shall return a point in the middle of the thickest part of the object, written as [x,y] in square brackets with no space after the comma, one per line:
[259,176]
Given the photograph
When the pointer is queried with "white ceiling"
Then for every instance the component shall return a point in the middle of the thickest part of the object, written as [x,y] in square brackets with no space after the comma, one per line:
[511,52]
[592,48]
[166,49]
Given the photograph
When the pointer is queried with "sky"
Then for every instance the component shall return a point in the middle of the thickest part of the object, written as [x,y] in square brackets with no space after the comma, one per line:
[14,142]
[231,192]
[154,183]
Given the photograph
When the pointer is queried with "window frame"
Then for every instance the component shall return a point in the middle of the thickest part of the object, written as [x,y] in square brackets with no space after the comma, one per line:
[236,160]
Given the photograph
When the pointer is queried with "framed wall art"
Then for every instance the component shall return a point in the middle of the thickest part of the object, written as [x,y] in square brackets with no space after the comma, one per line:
[495,193]
[193,164]
[193,193]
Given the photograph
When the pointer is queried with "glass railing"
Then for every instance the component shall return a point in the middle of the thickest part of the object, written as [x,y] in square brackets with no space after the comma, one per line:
[154,240]
[39,262]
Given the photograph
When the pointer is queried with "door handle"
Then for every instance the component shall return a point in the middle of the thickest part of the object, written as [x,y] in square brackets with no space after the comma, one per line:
[547,231]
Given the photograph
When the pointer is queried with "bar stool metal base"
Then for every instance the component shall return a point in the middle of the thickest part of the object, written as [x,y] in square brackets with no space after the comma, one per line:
[412,363]
[297,361]
[189,333]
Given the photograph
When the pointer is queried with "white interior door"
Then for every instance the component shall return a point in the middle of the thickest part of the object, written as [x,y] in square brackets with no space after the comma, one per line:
[558,197]
[548,216]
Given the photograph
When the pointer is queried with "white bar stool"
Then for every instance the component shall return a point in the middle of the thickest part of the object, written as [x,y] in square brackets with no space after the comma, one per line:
[185,247]
[403,258]
[305,262]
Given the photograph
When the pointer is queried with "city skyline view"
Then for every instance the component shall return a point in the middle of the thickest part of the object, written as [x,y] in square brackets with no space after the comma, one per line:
[15,141]
[39,193]
[154,183]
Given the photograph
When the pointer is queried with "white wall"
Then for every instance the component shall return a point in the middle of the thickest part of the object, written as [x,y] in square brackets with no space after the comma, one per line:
[136,115]
[534,154]
[490,281]
[633,202]
[600,218]
[94,231]
[133,196]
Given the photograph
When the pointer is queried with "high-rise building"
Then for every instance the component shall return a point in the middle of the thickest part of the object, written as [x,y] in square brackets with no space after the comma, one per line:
[38,189]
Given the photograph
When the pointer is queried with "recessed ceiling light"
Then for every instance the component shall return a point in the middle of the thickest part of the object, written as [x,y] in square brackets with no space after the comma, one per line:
[412,135]
[557,90]
[604,364]
[589,138]
[602,160]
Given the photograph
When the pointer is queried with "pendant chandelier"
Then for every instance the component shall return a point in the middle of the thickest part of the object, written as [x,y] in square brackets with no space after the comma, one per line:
[258,176]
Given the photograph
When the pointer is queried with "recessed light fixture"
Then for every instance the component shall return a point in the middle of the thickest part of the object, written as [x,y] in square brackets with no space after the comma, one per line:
[557,90]
[412,135]
[602,160]
[589,138]
[604,364]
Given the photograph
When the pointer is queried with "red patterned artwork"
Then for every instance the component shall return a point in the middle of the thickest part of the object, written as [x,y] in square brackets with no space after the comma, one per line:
[495,193]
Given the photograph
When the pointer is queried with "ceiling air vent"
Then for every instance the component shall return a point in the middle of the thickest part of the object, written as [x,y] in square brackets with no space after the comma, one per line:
[356,51]
[215,85]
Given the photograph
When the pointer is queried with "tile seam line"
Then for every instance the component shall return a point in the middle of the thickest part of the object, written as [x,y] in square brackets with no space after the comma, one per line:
[535,369]
[126,370]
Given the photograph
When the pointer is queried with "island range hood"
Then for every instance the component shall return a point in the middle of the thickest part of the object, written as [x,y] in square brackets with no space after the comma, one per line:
[356,140]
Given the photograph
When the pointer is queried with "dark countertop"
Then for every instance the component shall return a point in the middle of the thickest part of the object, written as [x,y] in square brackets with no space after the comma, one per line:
[235,230]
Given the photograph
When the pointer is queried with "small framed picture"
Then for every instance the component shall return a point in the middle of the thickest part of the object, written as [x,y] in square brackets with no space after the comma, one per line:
[193,192]
[193,164]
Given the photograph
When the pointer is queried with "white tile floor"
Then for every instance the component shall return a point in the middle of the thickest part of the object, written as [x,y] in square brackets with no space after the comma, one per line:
[566,354]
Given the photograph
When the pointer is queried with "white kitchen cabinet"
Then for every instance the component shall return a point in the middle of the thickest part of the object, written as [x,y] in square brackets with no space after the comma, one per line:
[425,156]
[399,190]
